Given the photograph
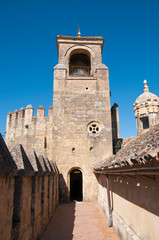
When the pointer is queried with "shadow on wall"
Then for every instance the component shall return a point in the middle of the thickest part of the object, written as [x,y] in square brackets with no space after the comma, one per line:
[62,224]
[63,190]
[28,193]
[142,191]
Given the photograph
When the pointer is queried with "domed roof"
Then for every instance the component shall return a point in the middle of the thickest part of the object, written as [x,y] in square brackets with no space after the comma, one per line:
[146,96]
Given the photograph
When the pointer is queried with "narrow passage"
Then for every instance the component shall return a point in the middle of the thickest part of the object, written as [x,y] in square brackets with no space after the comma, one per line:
[79,221]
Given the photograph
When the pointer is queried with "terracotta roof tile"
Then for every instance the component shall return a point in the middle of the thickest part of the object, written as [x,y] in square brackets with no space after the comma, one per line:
[142,151]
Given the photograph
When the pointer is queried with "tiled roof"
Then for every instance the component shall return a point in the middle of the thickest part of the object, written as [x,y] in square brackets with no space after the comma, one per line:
[141,152]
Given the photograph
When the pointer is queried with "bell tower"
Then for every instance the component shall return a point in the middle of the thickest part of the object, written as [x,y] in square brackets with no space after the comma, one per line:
[82,133]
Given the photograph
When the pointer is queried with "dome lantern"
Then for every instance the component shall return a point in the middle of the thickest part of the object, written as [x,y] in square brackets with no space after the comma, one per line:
[146,108]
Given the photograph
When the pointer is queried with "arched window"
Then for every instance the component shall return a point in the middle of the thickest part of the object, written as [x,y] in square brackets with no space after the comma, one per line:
[79,63]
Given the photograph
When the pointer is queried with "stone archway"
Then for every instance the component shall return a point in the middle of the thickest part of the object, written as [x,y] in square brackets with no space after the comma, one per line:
[76,185]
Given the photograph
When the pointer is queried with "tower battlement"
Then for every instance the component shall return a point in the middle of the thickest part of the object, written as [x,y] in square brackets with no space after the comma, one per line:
[25,128]
[26,114]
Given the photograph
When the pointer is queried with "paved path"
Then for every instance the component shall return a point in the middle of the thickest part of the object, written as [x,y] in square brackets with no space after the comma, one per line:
[79,221]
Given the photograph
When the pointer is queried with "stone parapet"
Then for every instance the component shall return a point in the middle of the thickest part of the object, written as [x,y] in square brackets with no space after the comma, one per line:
[26,114]
[29,187]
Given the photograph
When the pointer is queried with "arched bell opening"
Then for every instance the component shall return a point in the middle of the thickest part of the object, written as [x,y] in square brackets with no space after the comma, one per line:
[76,191]
[79,63]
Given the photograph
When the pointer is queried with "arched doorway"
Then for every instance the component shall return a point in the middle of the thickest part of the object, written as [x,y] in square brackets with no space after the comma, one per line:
[76,185]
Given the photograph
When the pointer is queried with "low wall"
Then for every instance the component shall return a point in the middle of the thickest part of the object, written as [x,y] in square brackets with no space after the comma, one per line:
[134,203]
[28,193]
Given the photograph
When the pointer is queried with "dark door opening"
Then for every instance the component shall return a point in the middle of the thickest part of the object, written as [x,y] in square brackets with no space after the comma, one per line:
[76,185]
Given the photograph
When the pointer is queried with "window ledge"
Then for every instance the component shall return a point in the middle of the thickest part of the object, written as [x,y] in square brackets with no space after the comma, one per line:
[79,77]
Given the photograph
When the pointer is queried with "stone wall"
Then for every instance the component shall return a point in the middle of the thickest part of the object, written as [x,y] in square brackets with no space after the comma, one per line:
[74,146]
[28,193]
[33,132]
[134,204]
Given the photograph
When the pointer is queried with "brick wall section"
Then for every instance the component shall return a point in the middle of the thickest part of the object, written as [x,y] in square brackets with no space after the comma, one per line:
[28,193]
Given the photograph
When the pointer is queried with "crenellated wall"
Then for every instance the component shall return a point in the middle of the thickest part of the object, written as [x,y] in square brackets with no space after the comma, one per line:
[28,193]
[33,132]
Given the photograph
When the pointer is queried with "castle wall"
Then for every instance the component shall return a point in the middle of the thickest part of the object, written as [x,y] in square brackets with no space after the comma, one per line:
[28,193]
[33,132]
[134,203]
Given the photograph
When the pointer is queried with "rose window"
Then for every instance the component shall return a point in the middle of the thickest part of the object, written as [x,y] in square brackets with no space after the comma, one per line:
[93,128]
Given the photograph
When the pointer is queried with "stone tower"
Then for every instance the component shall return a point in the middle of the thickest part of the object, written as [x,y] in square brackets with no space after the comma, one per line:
[146,108]
[77,133]
[82,132]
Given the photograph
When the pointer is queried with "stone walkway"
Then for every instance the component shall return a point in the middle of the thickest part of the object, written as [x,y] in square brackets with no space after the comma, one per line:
[79,221]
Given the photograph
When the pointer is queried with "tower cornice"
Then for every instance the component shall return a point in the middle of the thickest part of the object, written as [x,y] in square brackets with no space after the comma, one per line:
[79,40]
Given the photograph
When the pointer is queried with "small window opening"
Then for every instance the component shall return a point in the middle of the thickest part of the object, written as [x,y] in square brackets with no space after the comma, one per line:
[86,88]
[45,143]
[91,148]
[73,149]
[23,113]
[145,122]
[79,64]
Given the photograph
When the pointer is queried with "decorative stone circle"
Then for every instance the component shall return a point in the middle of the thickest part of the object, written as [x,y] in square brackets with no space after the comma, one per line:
[93,128]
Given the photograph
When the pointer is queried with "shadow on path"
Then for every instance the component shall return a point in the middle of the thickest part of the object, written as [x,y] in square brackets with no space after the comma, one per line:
[62,223]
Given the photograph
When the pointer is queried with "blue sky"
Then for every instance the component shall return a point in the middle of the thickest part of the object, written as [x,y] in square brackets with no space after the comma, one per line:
[28,52]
